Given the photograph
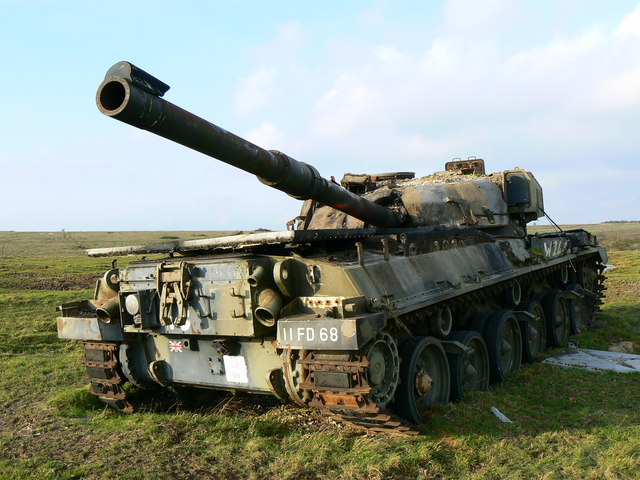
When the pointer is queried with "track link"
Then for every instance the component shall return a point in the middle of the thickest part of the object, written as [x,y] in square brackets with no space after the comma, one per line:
[104,374]
[352,405]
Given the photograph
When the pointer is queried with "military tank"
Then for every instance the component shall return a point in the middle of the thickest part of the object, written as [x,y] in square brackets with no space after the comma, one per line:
[386,295]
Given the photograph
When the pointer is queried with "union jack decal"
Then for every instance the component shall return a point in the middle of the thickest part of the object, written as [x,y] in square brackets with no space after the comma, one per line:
[175,346]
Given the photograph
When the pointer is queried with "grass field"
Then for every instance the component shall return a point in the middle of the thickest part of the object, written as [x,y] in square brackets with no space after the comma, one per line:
[567,424]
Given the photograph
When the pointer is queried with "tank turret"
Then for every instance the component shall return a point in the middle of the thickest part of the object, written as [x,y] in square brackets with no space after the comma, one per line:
[461,196]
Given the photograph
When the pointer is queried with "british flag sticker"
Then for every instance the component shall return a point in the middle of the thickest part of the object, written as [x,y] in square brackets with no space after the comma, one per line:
[175,346]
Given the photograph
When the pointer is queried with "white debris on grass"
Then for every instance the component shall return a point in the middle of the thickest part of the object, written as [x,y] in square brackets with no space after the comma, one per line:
[596,360]
[500,415]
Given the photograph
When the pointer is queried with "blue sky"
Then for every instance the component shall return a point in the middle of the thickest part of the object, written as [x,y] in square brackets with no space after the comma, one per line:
[550,86]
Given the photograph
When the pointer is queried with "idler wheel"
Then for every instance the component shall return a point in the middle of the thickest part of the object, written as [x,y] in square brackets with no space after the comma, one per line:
[578,309]
[294,373]
[534,335]
[424,378]
[556,310]
[504,345]
[384,368]
[470,370]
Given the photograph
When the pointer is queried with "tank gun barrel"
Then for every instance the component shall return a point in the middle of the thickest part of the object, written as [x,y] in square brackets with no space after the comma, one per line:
[134,97]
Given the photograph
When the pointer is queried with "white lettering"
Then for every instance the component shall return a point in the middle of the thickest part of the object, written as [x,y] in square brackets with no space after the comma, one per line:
[323,334]
[333,334]
[300,332]
[311,334]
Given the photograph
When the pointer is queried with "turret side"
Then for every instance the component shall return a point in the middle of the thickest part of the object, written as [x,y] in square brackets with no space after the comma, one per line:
[502,202]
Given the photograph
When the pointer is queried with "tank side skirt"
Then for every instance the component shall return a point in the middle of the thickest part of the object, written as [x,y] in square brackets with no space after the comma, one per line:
[431,297]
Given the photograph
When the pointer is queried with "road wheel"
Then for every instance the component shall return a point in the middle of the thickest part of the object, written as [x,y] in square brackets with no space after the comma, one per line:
[534,334]
[578,309]
[424,378]
[469,370]
[556,311]
[504,345]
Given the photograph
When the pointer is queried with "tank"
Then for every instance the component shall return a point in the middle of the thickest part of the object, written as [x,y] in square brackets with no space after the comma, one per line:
[386,295]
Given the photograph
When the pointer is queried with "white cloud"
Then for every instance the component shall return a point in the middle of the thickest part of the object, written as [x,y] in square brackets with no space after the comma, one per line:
[373,17]
[440,58]
[289,35]
[256,90]
[630,24]
[267,83]
[619,92]
[477,18]
[388,54]
[418,147]
[351,104]
[267,135]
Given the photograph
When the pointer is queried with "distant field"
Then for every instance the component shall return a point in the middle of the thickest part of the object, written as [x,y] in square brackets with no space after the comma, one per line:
[568,424]
[47,244]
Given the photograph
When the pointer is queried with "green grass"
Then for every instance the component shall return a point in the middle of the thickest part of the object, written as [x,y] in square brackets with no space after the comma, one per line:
[568,424]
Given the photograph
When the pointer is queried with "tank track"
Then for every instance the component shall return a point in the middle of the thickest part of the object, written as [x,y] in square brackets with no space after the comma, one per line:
[105,375]
[355,407]
[598,292]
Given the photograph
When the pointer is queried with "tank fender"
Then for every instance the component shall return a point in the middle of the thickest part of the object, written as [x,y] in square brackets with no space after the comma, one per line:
[312,333]
[88,328]
[602,253]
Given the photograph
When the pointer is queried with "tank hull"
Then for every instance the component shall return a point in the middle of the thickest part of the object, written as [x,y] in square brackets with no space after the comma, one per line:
[336,306]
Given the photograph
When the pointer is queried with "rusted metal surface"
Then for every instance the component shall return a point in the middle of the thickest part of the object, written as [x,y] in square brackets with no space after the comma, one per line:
[87,328]
[471,166]
[105,374]
[353,405]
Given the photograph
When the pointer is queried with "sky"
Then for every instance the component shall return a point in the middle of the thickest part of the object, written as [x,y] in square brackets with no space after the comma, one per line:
[549,86]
